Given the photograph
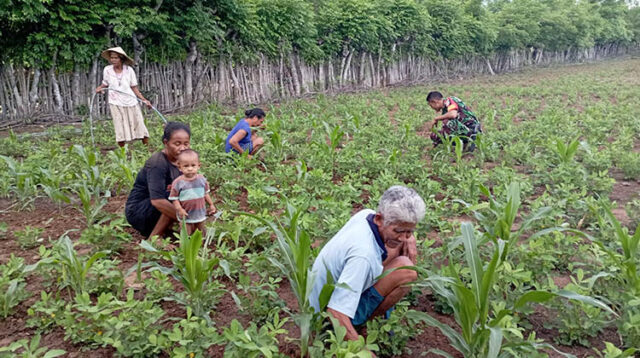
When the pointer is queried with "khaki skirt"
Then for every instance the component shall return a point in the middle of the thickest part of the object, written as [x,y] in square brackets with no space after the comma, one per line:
[128,123]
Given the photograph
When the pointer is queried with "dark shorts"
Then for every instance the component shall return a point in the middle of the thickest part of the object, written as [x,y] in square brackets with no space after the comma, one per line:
[369,301]
[142,216]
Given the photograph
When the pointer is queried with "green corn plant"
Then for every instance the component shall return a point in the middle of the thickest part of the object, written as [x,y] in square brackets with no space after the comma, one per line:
[51,184]
[481,331]
[295,262]
[566,152]
[192,269]
[329,147]
[12,295]
[458,148]
[497,217]
[301,170]
[30,349]
[91,203]
[276,139]
[22,182]
[74,268]
[625,257]
[127,168]
[89,172]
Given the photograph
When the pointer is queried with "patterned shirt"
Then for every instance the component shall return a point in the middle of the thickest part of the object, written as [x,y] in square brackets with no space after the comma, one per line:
[191,193]
[464,121]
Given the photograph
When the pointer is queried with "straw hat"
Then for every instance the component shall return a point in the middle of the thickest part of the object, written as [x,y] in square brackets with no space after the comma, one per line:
[127,60]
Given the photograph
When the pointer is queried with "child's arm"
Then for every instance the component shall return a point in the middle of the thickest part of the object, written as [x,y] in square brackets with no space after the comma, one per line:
[212,208]
[182,214]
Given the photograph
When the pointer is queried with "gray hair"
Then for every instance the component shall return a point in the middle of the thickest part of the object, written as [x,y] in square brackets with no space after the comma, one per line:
[401,204]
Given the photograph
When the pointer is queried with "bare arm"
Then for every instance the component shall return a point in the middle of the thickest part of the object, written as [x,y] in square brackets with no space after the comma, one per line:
[212,208]
[164,206]
[344,321]
[139,95]
[234,141]
[101,87]
[179,209]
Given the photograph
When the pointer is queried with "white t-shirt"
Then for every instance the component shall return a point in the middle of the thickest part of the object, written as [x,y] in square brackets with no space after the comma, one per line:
[353,257]
[122,82]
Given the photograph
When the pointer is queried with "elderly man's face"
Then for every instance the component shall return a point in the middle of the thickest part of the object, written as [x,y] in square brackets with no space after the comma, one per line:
[394,234]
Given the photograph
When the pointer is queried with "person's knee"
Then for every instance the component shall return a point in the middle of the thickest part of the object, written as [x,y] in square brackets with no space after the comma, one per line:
[404,275]
[400,276]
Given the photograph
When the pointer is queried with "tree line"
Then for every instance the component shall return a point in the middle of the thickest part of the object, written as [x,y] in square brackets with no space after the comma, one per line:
[281,39]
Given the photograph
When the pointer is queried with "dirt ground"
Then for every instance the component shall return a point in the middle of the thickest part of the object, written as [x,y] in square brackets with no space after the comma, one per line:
[58,219]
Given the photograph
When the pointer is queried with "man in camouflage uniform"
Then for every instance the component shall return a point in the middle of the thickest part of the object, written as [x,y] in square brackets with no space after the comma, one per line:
[457,120]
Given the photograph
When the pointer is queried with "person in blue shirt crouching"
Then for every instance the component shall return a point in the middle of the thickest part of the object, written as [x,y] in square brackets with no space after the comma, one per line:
[370,243]
[241,139]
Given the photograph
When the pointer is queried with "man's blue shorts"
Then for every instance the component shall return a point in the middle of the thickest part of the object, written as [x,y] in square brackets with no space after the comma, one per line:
[369,301]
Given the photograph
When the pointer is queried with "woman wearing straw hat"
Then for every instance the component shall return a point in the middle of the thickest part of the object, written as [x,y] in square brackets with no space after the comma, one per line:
[123,105]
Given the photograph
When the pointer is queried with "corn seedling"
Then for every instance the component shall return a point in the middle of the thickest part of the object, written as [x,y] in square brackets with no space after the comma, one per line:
[497,218]
[295,263]
[91,203]
[481,331]
[22,183]
[126,168]
[193,270]
[74,268]
[566,152]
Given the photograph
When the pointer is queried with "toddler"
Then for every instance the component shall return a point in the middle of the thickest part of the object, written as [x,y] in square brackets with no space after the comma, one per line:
[189,192]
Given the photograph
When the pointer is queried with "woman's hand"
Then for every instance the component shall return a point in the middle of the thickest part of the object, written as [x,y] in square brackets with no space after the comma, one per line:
[147,103]
[212,210]
[100,89]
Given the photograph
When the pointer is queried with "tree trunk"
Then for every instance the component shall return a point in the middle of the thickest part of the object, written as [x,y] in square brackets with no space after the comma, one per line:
[188,73]
[14,88]
[489,66]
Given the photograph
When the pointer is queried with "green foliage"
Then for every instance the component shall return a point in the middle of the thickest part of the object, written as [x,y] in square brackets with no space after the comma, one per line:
[482,329]
[24,348]
[12,285]
[259,299]
[69,35]
[253,341]
[84,274]
[335,344]
[611,351]
[29,237]
[190,337]
[106,237]
[295,263]
[193,268]
[391,335]
[128,331]
[43,313]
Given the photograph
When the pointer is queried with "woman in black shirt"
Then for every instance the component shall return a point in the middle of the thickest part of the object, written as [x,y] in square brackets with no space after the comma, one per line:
[148,210]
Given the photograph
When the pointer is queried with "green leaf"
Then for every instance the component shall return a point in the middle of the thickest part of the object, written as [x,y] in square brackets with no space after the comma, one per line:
[54,353]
